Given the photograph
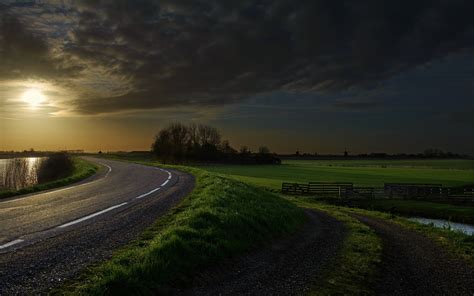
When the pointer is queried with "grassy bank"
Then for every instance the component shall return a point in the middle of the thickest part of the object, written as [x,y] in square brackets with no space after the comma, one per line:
[82,170]
[219,219]
[411,208]
[353,270]
[361,173]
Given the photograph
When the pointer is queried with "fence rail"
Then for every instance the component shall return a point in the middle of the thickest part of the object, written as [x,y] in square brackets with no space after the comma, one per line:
[318,188]
[389,190]
[412,189]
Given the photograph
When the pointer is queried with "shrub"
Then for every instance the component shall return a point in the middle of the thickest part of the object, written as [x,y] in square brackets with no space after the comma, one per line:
[54,167]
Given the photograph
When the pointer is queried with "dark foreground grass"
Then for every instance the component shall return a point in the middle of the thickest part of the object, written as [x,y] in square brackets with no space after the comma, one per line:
[411,208]
[219,219]
[352,272]
[82,170]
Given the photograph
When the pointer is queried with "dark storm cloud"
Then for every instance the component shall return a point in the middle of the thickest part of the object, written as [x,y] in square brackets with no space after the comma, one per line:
[357,105]
[24,54]
[20,51]
[207,52]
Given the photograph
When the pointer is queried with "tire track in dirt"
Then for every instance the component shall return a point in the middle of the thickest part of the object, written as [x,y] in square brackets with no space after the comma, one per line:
[289,266]
[413,264]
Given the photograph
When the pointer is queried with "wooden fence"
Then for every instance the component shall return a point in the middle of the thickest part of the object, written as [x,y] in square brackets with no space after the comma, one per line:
[390,190]
[339,189]
[461,191]
[406,190]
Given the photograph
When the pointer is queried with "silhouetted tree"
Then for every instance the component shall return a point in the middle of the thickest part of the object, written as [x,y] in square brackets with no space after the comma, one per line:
[208,135]
[178,143]
[163,147]
[56,166]
[244,150]
[264,156]
[179,138]
[263,150]
[228,153]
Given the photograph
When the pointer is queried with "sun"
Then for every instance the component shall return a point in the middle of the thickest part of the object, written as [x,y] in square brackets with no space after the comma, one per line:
[33,97]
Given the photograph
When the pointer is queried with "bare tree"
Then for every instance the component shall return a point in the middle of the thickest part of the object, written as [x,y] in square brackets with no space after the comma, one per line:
[263,150]
[208,135]
[162,145]
[179,138]
[244,150]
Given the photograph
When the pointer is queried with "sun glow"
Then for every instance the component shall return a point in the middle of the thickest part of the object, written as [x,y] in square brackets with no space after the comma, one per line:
[33,97]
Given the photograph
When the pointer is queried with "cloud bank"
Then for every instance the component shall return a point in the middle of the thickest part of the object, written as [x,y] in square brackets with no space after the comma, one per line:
[144,54]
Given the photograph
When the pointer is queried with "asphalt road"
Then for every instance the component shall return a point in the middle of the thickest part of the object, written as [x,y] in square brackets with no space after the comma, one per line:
[48,237]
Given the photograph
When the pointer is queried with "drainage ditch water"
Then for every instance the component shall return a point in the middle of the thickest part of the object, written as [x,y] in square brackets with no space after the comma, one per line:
[18,173]
[440,223]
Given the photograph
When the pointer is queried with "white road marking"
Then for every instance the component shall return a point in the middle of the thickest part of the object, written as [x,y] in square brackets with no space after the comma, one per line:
[108,172]
[91,216]
[148,193]
[17,241]
[117,206]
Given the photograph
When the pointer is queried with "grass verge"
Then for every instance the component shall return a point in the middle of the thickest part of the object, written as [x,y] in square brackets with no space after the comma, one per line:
[426,209]
[219,219]
[353,271]
[82,169]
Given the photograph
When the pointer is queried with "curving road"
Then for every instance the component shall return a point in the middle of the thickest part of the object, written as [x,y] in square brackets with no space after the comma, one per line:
[50,236]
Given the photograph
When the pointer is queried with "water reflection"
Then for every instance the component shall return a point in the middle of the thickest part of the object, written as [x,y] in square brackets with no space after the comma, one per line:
[440,223]
[18,173]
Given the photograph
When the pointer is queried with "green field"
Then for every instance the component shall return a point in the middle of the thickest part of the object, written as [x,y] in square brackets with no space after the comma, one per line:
[360,172]
[461,164]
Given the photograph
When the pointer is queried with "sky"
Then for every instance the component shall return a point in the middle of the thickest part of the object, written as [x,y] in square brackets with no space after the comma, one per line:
[320,76]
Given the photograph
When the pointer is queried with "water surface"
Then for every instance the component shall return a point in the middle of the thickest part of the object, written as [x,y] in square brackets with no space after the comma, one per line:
[440,223]
[18,173]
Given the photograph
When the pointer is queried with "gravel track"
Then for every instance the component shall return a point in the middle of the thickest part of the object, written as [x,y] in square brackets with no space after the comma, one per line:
[37,268]
[290,266]
[413,264]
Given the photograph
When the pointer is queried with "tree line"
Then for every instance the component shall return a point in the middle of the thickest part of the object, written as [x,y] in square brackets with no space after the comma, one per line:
[178,143]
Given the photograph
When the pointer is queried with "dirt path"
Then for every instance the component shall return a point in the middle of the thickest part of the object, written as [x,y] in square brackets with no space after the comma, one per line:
[287,267]
[414,265]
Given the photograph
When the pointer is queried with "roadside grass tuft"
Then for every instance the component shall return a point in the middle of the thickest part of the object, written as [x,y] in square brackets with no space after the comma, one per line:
[219,219]
[82,170]
[353,270]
